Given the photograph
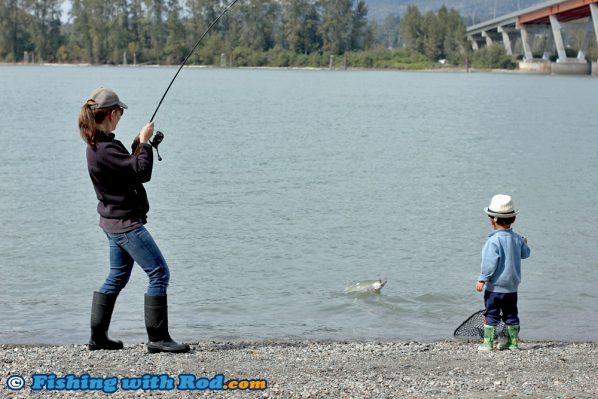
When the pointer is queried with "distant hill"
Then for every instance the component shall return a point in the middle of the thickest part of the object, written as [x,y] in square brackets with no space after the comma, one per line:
[475,10]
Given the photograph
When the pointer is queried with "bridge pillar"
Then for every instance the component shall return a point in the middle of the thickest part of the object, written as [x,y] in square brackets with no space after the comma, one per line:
[475,42]
[489,39]
[529,64]
[525,41]
[581,54]
[565,66]
[558,38]
[506,39]
[594,10]
[549,48]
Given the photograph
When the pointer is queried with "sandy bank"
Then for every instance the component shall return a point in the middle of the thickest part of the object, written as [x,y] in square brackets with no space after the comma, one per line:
[310,369]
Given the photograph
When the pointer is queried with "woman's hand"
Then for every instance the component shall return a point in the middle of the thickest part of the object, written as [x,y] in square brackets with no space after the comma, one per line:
[146,133]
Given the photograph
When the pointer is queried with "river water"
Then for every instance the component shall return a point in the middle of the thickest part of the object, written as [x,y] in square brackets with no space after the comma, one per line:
[279,188]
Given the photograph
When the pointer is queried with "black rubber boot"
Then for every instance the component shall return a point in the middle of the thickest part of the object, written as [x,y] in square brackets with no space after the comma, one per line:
[101,314]
[156,323]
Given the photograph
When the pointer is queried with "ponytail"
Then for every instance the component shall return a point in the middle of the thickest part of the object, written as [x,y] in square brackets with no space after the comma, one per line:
[90,117]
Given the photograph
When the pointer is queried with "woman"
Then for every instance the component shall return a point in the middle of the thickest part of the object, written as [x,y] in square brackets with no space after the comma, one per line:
[118,178]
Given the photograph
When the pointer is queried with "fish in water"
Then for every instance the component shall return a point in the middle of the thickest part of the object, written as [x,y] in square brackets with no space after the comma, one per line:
[366,286]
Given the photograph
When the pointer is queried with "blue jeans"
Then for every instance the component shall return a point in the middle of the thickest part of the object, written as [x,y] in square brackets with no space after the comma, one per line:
[501,306]
[135,246]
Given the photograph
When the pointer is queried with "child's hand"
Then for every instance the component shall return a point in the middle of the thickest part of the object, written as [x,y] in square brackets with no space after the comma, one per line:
[480,286]
[525,239]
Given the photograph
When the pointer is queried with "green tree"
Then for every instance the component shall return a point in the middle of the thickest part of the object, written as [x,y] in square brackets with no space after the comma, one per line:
[100,15]
[442,19]
[455,43]
[201,13]
[493,56]
[255,32]
[388,33]
[119,31]
[412,30]
[139,39]
[45,28]
[56,39]
[81,37]
[258,30]
[211,51]
[175,49]
[156,32]
[14,36]
[432,36]
[336,27]
[360,34]
[300,26]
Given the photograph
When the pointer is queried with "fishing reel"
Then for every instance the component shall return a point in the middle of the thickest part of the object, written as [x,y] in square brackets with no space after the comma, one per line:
[158,137]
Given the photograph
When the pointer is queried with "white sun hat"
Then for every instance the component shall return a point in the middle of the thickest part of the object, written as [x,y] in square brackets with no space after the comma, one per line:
[501,206]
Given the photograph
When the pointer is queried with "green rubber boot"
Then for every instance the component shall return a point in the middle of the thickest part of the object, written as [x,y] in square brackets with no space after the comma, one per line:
[488,339]
[513,341]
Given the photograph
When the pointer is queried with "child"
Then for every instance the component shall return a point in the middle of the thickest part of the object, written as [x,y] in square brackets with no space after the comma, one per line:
[501,272]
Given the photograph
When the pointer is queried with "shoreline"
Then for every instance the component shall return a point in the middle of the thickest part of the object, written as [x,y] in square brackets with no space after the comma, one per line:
[442,69]
[322,369]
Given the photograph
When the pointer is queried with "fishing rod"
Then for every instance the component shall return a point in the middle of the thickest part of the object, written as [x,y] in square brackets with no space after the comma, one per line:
[159,135]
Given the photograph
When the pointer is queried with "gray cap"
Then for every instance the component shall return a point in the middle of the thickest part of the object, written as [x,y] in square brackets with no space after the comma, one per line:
[105,97]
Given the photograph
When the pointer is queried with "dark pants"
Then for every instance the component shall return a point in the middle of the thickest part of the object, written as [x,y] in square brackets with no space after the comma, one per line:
[501,306]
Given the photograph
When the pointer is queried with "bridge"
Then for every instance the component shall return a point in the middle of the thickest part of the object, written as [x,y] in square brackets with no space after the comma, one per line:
[543,25]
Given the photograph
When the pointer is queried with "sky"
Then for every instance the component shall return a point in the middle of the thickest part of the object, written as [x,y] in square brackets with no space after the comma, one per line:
[66,9]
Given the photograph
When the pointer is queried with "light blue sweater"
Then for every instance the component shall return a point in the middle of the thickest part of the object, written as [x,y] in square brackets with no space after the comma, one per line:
[501,260]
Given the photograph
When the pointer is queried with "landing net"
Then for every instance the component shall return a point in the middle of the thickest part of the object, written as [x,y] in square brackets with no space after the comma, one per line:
[473,327]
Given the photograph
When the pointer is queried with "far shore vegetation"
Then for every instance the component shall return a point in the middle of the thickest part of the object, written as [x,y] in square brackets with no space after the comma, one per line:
[258,33]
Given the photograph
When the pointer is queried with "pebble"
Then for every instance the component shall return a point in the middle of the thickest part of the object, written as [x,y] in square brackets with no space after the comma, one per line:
[315,369]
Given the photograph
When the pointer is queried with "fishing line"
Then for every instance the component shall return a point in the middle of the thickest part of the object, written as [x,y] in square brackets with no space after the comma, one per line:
[190,53]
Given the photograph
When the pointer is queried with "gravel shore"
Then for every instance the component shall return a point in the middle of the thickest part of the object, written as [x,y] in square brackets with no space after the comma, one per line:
[314,369]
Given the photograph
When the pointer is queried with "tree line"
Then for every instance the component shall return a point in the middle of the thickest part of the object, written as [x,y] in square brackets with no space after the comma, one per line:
[253,33]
